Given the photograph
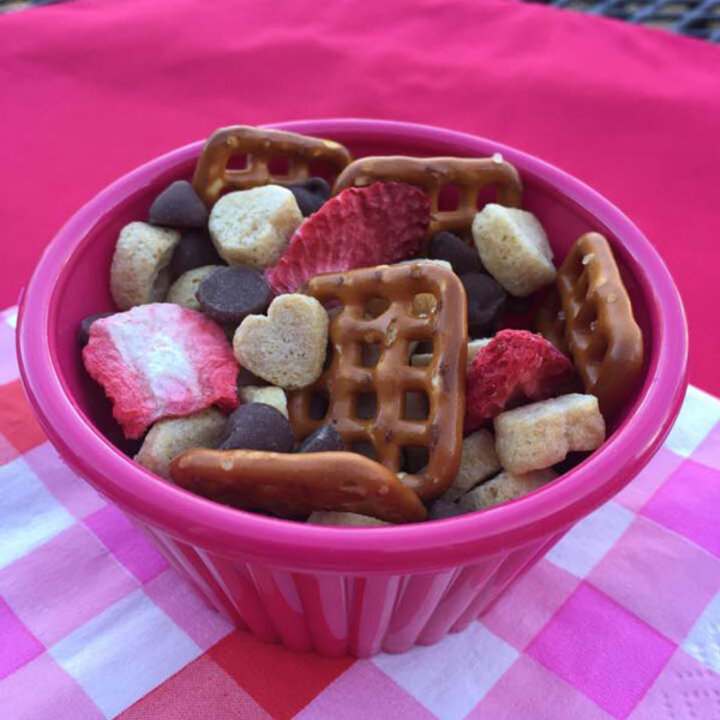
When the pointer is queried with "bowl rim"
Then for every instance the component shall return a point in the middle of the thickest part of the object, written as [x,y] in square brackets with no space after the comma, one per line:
[420,547]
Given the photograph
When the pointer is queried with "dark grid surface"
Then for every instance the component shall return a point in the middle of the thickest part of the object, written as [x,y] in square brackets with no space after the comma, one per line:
[697,18]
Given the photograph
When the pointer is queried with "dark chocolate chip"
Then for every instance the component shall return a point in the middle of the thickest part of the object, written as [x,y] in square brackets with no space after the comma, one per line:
[325,439]
[519,306]
[257,426]
[229,294]
[449,247]
[245,378]
[310,194]
[485,300]
[442,509]
[83,332]
[194,250]
[179,206]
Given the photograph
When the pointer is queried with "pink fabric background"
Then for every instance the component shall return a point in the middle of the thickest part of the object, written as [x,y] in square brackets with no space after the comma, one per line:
[90,89]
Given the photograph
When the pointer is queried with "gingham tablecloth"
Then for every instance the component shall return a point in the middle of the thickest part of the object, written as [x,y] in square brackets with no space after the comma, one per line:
[620,620]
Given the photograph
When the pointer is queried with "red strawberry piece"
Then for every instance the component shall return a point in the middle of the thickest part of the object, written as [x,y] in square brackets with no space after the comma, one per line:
[160,360]
[361,227]
[515,365]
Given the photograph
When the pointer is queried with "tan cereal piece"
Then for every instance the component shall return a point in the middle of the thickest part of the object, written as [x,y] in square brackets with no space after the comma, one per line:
[172,436]
[539,435]
[138,273]
[347,519]
[182,291]
[514,248]
[504,487]
[287,348]
[479,462]
[273,396]
[253,227]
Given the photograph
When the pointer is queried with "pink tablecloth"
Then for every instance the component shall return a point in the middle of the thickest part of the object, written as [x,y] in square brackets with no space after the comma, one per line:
[620,620]
[91,88]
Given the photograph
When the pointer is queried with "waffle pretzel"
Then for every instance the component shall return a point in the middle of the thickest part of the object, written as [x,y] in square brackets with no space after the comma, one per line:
[212,177]
[589,312]
[294,485]
[393,333]
[432,174]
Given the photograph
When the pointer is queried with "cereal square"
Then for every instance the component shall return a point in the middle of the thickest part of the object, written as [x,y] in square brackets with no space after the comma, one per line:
[602,649]
[529,690]
[273,668]
[684,690]
[648,558]
[647,482]
[127,543]
[17,422]
[528,604]
[134,643]
[363,692]
[19,644]
[587,542]
[182,603]
[31,515]
[450,678]
[700,412]
[63,583]
[60,697]
[70,489]
[200,690]
[687,503]
[703,641]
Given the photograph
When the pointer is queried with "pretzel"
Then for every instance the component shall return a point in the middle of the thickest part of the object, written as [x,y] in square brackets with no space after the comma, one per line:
[347,380]
[432,174]
[591,312]
[292,485]
[212,177]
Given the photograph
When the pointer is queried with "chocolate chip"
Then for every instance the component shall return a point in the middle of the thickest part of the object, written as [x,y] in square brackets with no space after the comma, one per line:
[486,302]
[83,332]
[310,194]
[325,439]
[257,426]
[442,509]
[179,206]
[194,250]
[449,247]
[229,294]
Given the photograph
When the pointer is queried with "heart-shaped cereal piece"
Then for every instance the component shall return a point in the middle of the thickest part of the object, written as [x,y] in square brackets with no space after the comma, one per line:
[287,348]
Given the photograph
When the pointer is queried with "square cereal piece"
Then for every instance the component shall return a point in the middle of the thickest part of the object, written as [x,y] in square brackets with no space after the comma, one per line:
[514,248]
[479,462]
[541,434]
[172,436]
[504,487]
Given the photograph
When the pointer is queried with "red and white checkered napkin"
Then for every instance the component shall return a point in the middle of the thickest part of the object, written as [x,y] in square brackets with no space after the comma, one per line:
[620,620]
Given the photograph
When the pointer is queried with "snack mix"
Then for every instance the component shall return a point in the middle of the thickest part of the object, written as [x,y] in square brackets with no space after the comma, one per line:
[345,350]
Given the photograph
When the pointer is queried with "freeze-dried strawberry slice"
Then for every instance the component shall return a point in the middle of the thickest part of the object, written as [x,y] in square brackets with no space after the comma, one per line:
[515,365]
[361,227]
[160,360]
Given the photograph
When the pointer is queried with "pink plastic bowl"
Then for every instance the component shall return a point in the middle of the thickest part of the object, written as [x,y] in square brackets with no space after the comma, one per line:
[343,590]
